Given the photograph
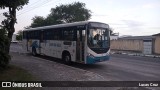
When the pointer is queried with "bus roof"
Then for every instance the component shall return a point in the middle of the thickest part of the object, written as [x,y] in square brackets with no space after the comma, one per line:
[60,25]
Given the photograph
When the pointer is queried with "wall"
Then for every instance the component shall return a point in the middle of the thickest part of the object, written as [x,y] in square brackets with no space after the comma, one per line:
[130,45]
[157,45]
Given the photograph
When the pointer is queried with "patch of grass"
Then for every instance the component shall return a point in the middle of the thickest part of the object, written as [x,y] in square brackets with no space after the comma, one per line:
[13,73]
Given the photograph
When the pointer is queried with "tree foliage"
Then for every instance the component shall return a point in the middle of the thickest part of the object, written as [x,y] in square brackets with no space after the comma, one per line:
[111,31]
[4,56]
[38,21]
[8,27]
[71,12]
[17,4]
[63,14]
[9,22]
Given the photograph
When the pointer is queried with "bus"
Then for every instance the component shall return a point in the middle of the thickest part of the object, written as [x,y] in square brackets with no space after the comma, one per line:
[83,42]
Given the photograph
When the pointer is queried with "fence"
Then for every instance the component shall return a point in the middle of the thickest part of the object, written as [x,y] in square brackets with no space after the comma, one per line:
[127,45]
[134,45]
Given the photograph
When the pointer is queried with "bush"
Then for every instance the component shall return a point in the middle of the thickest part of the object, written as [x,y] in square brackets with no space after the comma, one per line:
[4,59]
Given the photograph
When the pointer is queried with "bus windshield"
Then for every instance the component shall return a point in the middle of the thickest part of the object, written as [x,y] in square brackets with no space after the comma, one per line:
[98,38]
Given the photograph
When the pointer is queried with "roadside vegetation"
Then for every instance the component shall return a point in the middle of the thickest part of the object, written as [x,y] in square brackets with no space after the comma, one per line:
[66,13]
[4,56]
[13,73]
[7,28]
[19,35]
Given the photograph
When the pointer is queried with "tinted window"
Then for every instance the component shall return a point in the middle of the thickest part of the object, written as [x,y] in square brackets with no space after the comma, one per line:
[69,34]
[31,34]
[57,34]
[24,35]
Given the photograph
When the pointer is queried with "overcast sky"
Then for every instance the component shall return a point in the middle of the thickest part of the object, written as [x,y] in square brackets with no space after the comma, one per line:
[128,17]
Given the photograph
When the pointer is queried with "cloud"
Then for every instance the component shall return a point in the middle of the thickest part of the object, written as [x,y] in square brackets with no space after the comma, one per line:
[131,27]
[148,6]
[155,27]
[133,23]
[151,5]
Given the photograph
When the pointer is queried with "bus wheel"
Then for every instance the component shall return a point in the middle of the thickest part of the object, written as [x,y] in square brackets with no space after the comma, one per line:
[34,52]
[67,59]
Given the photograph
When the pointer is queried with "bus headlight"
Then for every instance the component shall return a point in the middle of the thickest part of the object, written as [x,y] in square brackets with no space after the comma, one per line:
[90,55]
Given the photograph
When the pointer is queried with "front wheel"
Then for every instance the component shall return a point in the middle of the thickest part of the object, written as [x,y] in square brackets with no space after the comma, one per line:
[67,59]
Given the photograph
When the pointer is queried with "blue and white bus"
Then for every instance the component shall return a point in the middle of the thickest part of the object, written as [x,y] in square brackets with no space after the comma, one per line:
[83,42]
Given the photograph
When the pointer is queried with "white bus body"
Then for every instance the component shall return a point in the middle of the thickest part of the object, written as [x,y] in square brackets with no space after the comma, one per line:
[83,42]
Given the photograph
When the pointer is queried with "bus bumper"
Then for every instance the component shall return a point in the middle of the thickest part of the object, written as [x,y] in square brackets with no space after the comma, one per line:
[92,60]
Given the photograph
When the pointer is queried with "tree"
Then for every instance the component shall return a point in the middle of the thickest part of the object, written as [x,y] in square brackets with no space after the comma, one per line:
[113,33]
[7,27]
[19,35]
[4,56]
[71,13]
[9,22]
[38,21]
[63,14]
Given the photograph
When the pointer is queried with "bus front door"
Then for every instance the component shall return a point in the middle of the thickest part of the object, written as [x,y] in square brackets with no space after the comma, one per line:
[80,46]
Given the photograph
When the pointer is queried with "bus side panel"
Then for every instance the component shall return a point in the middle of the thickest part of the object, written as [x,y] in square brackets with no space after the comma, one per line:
[42,47]
[70,46]
[24,45]
[52,48]
[45,49]
[29,43]
[55,48]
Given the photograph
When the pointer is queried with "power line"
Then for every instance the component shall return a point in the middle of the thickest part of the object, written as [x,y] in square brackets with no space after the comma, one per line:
[23,9]
[37,3]
[33,3]
[34,7]
[51,3]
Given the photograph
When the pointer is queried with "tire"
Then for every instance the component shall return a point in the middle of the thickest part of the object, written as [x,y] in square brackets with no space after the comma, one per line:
[67,58]
[34,52]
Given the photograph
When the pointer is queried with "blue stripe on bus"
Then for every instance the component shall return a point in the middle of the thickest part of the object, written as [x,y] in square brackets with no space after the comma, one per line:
[92,60]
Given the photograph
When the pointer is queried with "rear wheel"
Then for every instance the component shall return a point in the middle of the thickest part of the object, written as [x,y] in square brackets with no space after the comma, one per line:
[67,58]
[34,52]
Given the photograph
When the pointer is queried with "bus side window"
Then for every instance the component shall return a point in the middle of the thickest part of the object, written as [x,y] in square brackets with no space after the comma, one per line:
[27,37]
[83,35]
[80,31]
[41,36]
[78,36]
[75,35]
[56,35]
[68,34]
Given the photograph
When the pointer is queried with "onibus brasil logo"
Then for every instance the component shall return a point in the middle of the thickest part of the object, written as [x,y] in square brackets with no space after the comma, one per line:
[15,84]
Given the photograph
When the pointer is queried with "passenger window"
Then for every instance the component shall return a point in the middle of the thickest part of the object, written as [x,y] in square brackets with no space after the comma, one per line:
[68,35]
